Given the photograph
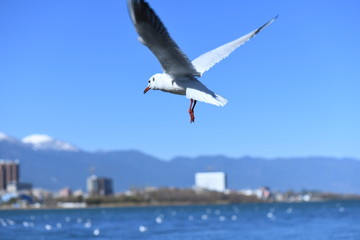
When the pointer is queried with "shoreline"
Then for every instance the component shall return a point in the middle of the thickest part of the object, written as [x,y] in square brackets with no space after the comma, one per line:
[167,204]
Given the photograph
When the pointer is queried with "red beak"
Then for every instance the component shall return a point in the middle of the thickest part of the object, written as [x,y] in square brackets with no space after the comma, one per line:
[146,89]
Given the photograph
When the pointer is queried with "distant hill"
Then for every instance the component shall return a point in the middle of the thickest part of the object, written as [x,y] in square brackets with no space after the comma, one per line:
[52,167]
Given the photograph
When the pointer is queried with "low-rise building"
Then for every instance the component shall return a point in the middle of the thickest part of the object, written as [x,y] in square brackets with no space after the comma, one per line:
[215,181]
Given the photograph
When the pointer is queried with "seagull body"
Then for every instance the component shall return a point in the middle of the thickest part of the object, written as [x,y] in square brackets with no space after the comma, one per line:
[180,75]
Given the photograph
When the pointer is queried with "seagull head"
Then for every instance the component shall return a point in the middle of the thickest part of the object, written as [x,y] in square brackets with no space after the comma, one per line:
[153,82]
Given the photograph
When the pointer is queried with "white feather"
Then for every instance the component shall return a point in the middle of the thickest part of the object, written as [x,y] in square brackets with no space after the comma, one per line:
[198,91]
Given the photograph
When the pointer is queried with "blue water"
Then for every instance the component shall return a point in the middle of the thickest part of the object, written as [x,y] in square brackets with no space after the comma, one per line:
[305,221]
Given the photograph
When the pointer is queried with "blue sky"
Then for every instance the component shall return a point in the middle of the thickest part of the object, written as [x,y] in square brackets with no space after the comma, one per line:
[74,70]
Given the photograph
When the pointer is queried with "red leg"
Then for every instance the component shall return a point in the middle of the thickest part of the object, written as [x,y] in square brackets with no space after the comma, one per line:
[191,110]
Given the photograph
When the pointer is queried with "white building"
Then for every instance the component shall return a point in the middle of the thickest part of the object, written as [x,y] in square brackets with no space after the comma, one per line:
[92,184]
[215,181]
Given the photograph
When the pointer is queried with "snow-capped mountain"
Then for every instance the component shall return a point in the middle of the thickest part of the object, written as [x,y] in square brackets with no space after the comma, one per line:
[45,142]
[4,137]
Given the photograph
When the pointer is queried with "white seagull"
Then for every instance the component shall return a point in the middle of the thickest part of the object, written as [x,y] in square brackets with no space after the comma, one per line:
[179,73]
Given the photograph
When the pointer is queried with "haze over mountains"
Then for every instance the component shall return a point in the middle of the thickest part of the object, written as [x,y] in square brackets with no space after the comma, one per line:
[53,164]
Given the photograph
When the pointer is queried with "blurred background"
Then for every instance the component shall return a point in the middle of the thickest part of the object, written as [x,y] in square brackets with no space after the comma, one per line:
[72,76]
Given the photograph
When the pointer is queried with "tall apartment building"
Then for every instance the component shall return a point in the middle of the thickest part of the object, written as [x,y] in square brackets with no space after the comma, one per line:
[9,173]
[2,176]
[99,186]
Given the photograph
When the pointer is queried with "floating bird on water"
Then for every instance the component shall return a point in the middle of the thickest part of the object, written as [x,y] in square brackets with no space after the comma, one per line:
[180,75]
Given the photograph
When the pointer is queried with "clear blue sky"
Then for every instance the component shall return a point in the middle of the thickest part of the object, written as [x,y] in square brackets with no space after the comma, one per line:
[74,70]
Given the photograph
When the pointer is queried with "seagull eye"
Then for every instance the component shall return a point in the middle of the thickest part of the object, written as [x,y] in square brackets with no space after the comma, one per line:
[149,81]
[153,79]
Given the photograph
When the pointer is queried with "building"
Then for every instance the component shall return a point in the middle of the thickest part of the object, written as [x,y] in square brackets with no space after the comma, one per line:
[12,172]
[99,186]
[65,193]
[215,181]
[92,185]
[9,173]
[17,186]
[264,193]
[2,177]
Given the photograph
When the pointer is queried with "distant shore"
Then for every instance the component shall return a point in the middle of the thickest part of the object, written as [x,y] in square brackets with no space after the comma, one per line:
[172,197]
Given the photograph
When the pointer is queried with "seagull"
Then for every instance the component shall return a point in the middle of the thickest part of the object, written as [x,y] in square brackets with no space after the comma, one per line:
[180,75]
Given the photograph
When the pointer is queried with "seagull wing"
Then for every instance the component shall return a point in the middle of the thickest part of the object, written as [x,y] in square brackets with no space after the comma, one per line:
[198,91]
[209,59]
[153,34]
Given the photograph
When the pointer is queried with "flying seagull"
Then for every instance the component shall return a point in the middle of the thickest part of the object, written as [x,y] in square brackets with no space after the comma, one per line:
[180,75]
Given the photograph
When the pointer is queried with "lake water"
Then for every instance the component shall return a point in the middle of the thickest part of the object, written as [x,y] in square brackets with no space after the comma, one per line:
[305,221]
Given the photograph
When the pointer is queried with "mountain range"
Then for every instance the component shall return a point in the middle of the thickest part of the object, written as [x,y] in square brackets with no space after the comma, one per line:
[52,164]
